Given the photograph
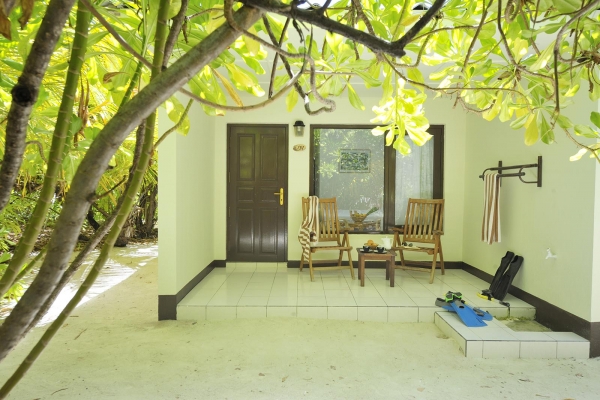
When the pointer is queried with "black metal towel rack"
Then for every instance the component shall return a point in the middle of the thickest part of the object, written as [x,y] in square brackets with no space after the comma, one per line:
[520,174]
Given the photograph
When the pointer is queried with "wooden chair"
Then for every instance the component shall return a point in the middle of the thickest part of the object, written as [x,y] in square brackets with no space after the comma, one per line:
[424,224]
[331,238]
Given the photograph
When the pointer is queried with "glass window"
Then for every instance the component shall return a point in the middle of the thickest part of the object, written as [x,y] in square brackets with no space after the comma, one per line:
[373,182]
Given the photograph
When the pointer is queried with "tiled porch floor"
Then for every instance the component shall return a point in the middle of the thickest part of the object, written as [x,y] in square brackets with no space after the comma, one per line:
[263,290]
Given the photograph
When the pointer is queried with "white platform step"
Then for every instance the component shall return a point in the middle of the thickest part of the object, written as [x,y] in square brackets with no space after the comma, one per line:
[499,341]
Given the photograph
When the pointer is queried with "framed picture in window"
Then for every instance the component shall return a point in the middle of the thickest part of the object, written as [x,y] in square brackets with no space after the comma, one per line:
[353,160]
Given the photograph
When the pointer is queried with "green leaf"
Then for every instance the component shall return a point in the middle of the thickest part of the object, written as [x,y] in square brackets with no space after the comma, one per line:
[415,75]
[546,133]
[252,45]
[506,111]
[577,157]
[531,131]
[567,6]
[520,122]
[401,145]
[354,99]
[94,38]
[564,122]
[291,99]
[585,131]
[572,90]
[334,41]
[229,88]
[595,118]
[519,48]
[254,64]
[495,110]
[543,58]
[13,64]
[544,5]
[487,31]
[369,80]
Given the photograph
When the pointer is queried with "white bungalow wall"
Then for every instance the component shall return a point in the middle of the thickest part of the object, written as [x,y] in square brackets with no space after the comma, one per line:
[186,218]
[439,111]
[596,248]
[559,215]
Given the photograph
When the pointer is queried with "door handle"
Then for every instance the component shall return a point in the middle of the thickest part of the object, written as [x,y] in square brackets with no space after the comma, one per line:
[280,194]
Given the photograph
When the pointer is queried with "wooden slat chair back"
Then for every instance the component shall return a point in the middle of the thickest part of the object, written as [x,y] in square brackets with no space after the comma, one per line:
[329,231]
[423,224]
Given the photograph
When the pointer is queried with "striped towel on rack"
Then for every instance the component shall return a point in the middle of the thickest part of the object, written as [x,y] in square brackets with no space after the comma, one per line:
[490,229]
[309,230]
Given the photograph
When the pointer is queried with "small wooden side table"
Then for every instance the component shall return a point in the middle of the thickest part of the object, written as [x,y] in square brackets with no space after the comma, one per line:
[388,256]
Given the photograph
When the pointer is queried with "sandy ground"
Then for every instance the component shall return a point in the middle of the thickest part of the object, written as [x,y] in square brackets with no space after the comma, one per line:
[113,347]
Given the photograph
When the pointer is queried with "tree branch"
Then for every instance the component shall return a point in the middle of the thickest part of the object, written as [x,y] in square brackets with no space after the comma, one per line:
[40,148]
[90,170]
[174,127]
[174,32]
[401,43]
[310,16]
[25,92]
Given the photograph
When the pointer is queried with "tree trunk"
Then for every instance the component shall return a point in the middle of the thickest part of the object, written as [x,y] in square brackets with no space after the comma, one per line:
[36,221]
[25,93]
[90,170]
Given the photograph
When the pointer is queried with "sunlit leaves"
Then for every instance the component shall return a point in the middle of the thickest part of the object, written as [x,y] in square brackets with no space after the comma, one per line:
[531,130]
[354,99]
[402,114]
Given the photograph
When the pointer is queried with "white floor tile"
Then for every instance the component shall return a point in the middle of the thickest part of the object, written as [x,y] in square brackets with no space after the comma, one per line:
[339,293]
[492,333]
[224,301]
[281,312]
[312,301]
[580,350]
[399,302]
[566,337]
[370,302]
[501,349]
[538,350]
[220,313]
[245,266]
[252,312]
[362,293]
[342,313]
[267,285]
[312,312]
[403,314]
[341,301]
[191,313]
[423,301]
[533,336]
[257,292]
[283,301]
[253,301]
[474,349]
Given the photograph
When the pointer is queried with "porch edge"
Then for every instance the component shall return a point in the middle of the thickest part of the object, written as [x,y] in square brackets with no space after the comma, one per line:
[167,303]
[550,315]
[379,264]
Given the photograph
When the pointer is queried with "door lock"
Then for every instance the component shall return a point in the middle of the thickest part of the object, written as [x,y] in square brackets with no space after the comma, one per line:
[280,194]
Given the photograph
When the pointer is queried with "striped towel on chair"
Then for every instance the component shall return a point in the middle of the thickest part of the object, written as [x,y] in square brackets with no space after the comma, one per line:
[490,229]
[309,230]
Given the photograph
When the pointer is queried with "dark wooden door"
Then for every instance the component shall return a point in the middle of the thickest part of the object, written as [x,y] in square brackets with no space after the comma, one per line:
[257,172]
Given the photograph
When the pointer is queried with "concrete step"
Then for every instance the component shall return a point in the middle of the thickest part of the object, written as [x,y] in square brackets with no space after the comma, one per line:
[496,340]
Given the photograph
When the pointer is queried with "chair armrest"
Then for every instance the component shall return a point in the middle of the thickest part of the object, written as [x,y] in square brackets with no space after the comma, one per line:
[438,232]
